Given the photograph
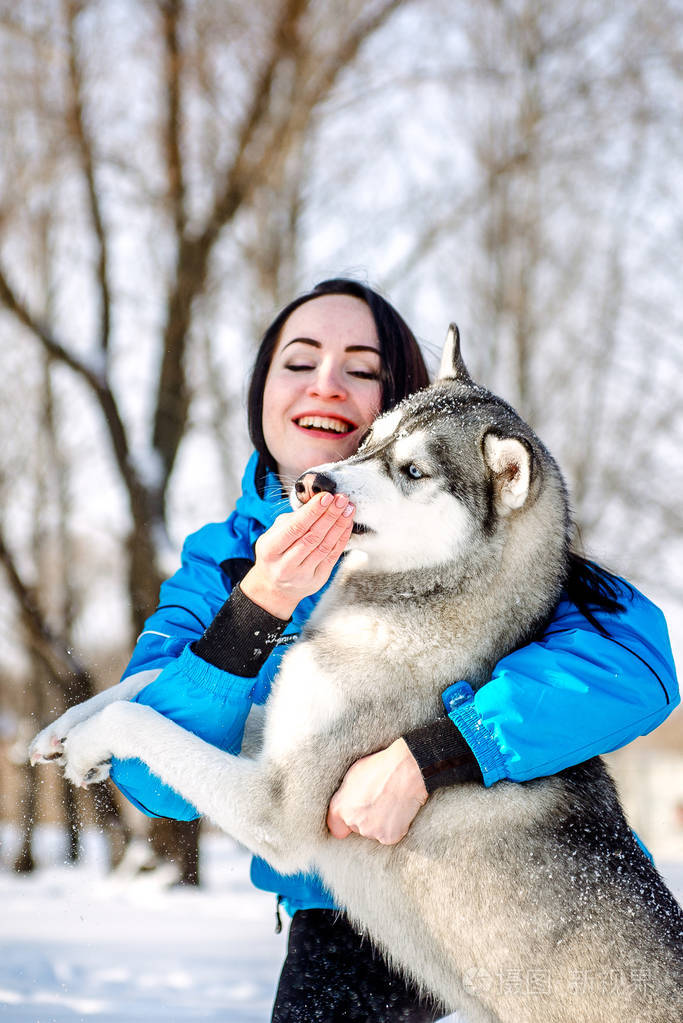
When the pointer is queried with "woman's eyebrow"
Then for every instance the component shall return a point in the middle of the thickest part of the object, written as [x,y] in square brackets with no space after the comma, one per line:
[303,341]
[318,344]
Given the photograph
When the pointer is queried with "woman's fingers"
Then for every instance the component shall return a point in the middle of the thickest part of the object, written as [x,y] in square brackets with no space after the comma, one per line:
[291,526]
[303,531]
[329,547]
[323,534]
[295,557]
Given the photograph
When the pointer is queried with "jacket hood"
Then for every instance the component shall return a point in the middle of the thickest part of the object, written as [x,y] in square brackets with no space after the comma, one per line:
[262,499]
[257,508]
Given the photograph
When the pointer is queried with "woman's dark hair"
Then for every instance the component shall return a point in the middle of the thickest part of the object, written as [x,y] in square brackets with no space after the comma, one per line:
[403,369]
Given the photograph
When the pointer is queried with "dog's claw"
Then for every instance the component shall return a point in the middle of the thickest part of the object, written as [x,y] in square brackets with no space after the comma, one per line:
[57,755]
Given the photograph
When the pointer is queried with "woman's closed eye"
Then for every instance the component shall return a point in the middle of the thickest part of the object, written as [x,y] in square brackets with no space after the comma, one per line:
[364,374]
[361,374]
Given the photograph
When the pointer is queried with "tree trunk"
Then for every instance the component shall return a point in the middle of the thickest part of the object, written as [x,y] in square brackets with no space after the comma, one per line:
[24,862]
[178,842]
[110,820]
[71,822]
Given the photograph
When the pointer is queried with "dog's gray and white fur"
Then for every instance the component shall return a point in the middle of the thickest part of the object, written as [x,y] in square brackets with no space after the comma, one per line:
[459,556]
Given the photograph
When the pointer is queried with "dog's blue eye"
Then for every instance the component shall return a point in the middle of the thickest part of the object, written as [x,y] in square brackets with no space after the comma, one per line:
[414,472]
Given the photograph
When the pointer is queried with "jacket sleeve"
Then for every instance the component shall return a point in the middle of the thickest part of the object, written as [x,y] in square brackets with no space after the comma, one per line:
[188,602]
[572,695]
[206,700]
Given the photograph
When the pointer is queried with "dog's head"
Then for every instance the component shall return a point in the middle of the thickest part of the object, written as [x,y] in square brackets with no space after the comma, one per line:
[450,470]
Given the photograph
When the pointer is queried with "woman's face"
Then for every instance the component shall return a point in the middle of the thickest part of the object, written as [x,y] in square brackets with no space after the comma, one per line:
[323,385]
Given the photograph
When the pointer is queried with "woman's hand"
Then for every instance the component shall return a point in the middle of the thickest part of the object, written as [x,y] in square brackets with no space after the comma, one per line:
[379,796]
[295,557]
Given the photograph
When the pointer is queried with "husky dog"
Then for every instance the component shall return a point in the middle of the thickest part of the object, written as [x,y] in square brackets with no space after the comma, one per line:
[459,553]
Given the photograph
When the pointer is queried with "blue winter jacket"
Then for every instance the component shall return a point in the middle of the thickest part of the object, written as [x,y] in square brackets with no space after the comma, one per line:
[554,703]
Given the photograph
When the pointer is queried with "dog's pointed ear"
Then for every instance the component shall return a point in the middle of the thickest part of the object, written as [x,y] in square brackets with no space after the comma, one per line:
[452,367]
[510,461]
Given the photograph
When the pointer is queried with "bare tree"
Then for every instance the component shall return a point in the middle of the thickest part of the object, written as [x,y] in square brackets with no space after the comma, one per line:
[511,164]
[555,223]
[243,198]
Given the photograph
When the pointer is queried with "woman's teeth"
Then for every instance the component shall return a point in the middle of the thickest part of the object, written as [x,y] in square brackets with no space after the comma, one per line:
[324,423]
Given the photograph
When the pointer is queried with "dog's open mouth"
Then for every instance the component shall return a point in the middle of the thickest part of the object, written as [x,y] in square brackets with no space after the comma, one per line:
[328,424]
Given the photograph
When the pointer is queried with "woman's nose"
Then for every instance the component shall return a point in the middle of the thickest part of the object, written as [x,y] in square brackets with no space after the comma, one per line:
[327,382]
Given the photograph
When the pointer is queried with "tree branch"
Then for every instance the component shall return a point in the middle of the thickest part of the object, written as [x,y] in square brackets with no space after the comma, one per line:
[171,12]
[52,651]
[20,311]
[85,153]
[347,51]
[172,402]
[96,381]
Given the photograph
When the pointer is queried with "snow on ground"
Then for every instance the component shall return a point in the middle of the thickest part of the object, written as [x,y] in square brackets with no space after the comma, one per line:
[80,946]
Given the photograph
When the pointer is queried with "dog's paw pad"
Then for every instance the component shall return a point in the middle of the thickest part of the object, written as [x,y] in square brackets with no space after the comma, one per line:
[47,746]
[87,754]
[83,777]
[98,773]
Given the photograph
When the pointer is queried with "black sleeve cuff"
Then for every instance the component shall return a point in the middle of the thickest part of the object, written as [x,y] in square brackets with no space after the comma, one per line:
[240,637]
[442,754]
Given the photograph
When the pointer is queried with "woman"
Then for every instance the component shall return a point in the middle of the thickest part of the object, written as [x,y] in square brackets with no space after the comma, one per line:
[327,364]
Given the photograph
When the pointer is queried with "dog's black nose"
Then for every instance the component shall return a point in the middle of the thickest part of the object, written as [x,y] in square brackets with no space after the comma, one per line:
[311,483]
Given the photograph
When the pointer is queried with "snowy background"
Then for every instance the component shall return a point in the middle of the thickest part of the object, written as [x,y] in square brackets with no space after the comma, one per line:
[77,944]
[511,164]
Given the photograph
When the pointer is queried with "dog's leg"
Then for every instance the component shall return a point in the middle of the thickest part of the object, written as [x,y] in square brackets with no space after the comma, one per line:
[48,744]
[242,796]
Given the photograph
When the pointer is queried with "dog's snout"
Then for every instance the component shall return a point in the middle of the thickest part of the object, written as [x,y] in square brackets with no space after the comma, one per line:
[311,483]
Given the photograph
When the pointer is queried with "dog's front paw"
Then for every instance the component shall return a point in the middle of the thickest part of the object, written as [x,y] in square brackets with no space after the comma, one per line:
[47,745]
[86,753]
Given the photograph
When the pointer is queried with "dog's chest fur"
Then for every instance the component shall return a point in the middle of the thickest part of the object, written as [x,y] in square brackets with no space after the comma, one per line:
[378,668]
